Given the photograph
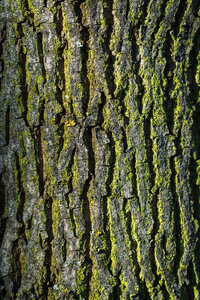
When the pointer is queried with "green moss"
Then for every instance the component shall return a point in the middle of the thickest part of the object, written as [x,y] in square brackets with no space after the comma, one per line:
[97,290]
[82,280]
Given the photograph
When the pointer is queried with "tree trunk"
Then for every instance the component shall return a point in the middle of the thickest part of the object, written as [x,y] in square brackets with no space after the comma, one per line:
[100,149]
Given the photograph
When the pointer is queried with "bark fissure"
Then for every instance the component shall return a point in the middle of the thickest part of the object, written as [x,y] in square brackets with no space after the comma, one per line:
[16,269]
[41,55]
[177,223]
[2,41]
[110,60]
[112,161]
[23,82]
[60,76]
[7,126]
[84,30]
[3,220]
[21,199]
[88,140]
[48,276]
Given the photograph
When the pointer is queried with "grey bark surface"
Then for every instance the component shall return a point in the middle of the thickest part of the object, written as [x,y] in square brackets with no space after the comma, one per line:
[100,149]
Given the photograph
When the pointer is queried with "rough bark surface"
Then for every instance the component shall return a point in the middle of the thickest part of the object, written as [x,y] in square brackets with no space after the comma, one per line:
[100,149]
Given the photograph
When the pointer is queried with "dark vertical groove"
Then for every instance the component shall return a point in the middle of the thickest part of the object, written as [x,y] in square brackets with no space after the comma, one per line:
[88,140]
[116,293]
[72,220]
[194,181]
[41,54]
[120,94]
[179,17]
[134,179]
[21,199]
[60,75]
[158,22]
[70,187]
[15,266]
[149,147]
[38,149]
[109,68]
[28,13]
[45,3]
[169,103]
[64,249]
[154,204]
[41,108]
[100,116]
[3,288]
[141,21]
[84,55]
[177,221]
[124,139]
[3,39]
[7,126]
[22,75]
[91,158]
[136,60]
[127,8]
[29,223]
[107,232]
[153,236]
[3,220]
[192,280]
[112,161]
[192,71]
[21,192]
[48,203]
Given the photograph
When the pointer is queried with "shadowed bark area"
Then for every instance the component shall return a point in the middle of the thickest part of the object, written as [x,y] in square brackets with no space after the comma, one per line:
[99,149]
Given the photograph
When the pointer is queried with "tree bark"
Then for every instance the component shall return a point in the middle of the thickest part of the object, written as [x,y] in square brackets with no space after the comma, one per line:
[100,149]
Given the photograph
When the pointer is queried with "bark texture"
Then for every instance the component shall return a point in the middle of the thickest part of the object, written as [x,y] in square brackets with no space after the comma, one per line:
[100,149]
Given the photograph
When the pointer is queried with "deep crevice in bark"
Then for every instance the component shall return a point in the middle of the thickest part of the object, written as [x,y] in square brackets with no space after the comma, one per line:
[110,60]
[169,103]
[49,278]
[88,140]
[179,16]
[192,70]
[41,55]
[154,233]
[39,154]
[116,293]
[177,221]
[2,41]
[112,159]
[84,30]
[7,126]
[149,148]
[15,267]
[60,75]
[158,21]
[100,116]
[134,179]
[3,220]
[70,186]
[22,75]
